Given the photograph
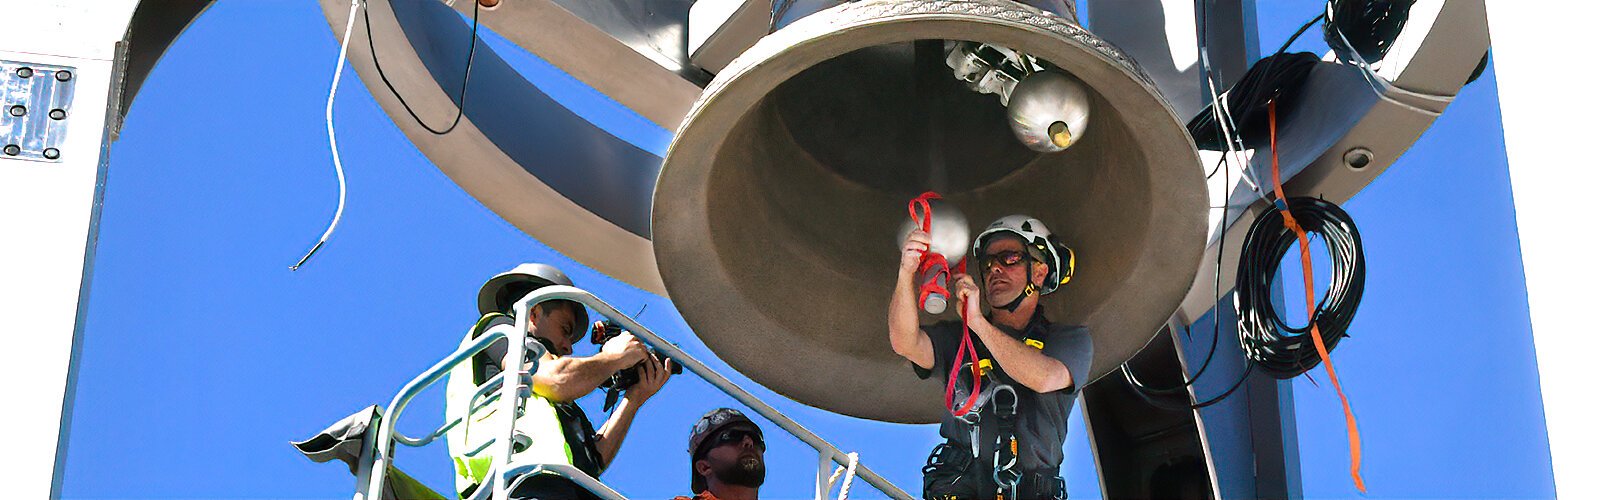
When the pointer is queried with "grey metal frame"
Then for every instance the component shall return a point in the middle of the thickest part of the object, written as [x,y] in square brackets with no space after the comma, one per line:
[375,462]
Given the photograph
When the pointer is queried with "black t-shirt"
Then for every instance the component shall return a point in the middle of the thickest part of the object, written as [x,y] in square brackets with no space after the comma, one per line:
[1041,422]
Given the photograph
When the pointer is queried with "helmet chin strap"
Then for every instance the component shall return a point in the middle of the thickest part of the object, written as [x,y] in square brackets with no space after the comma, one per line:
[1026,291]
[1015,303]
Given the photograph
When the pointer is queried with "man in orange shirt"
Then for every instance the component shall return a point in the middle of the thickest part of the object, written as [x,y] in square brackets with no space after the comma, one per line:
[725,457]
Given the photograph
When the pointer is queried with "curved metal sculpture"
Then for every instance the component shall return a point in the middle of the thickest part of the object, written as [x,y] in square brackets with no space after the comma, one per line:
[789,178]
[598,44]
[549,172]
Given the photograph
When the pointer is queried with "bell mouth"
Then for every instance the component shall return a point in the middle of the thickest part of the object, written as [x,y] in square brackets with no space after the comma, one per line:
[796,164]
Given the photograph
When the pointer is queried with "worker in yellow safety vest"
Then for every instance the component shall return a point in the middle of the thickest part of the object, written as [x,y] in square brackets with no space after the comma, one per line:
[551,429]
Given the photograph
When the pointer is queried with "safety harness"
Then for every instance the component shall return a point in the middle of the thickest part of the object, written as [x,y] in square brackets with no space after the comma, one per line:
[1006,475]
[547,431]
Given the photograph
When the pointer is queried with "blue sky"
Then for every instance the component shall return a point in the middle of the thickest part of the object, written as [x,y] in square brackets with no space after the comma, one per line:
[203,355]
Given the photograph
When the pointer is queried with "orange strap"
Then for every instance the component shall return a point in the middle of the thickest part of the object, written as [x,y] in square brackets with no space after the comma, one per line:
[924,218]
[939,264]
[1311,305]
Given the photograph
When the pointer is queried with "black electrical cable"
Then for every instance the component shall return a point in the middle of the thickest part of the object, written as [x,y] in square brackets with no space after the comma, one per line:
[1133,380]
[1274,78]
[461,99]
[1180,388]
[1371,26]
[1281,350]
[1210,80]
[1216,333]
[1214,168]
[1216,329]
[1139,387]
[1286,43]
[1146,393]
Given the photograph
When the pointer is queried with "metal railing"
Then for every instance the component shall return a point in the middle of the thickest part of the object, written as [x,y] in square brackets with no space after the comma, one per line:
[827,451]
[378,457]
[505,472]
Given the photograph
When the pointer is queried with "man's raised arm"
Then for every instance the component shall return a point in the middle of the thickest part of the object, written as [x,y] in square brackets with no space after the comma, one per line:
[566,378]
[905,335]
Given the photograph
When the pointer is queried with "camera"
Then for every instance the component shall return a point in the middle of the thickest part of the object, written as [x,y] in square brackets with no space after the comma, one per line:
[604,331]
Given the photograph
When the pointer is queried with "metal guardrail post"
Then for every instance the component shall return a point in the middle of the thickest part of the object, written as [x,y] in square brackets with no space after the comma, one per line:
[364,468]
[381,442]
[512,390]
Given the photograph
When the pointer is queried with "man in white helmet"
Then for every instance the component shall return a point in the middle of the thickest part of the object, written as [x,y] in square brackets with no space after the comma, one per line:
[551,429]
[1008,439]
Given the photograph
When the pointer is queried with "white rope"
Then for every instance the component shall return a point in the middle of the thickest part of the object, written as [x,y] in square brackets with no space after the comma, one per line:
[849,472]
[333,143]
[1224,115]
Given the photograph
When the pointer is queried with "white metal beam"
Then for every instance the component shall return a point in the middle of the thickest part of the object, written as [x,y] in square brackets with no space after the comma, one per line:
[1549,133]
[48,211]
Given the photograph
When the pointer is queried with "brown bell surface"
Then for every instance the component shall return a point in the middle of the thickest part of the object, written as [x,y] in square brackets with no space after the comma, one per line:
[776,211]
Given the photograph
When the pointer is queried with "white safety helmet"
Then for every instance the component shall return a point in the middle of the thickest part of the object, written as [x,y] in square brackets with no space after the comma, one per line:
[1036,236]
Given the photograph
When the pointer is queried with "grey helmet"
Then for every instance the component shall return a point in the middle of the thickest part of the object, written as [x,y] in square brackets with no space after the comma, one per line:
[500,292]
[1035,235]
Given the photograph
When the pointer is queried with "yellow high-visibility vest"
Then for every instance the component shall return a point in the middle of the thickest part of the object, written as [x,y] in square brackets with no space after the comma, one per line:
[539,437]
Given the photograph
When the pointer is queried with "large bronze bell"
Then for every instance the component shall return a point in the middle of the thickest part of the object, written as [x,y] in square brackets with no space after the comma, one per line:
[776,211]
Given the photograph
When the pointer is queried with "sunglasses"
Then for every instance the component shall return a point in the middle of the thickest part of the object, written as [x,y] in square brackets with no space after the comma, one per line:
[1006,258]
[735,436]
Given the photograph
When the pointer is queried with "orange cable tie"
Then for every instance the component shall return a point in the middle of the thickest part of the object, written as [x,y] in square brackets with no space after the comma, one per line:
[1311,305]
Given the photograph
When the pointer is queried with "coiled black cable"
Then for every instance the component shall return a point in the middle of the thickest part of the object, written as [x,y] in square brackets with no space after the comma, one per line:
[1281,350]
[1371,26]
[1276,77]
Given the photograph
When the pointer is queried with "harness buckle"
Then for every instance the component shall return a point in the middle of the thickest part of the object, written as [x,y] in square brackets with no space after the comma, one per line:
[1004,409]
[1005,475]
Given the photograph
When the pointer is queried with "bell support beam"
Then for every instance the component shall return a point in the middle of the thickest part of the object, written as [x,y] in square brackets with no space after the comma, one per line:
[1344,135]
[1549,147]
[1242,447]
[632,51]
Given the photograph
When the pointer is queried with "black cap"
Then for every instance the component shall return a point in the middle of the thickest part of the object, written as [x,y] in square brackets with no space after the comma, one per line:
[713,421]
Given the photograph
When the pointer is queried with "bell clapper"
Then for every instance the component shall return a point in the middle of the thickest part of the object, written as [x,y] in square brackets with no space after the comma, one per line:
[1048,108]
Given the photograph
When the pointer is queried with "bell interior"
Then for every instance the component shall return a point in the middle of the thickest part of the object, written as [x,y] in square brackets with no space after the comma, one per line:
[813,184]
